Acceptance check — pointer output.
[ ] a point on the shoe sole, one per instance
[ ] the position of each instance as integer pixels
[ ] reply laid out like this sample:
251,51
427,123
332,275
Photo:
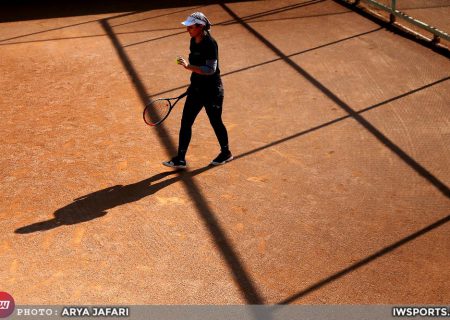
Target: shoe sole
172,166
220,163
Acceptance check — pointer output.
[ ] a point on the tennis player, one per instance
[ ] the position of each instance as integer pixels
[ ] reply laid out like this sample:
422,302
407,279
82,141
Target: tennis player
205,90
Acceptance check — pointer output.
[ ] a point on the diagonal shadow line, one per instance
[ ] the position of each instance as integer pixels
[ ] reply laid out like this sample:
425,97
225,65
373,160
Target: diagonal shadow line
154,17
49,30
97,20
272,12
96,203
277,59
162,133
305,51
233,22
167,29
326,124
419,8
365,261
152,30
219,236
224,23
53,39
301,17
68,26
240,275
439,185
88,36
155,39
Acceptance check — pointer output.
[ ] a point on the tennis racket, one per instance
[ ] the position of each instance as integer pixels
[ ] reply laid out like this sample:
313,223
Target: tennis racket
156,111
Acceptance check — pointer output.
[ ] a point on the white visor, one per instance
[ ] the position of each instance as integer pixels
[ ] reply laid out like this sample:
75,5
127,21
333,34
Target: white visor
191,21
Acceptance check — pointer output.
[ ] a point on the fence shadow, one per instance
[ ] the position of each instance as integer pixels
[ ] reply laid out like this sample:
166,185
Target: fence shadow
395,29
365,261
413,164
95,205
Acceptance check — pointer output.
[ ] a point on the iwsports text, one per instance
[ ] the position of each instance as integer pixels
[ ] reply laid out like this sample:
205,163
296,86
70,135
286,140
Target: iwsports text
411,312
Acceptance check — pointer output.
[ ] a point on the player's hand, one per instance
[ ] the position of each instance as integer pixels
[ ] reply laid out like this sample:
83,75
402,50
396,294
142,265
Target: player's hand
182,61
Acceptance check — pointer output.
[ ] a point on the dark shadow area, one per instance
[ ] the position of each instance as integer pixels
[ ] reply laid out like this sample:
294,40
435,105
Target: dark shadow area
395,29
439,185
366,261
21,10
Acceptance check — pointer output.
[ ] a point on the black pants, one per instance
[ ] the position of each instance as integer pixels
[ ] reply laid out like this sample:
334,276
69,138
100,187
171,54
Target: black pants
195,101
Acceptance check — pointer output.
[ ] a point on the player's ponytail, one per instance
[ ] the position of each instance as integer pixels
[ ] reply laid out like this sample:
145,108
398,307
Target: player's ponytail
207,27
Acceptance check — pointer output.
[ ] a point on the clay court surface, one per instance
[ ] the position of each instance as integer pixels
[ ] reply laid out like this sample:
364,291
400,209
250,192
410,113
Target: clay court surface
338,193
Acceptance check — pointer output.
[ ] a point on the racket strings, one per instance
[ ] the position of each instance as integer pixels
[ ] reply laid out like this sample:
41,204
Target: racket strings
156,111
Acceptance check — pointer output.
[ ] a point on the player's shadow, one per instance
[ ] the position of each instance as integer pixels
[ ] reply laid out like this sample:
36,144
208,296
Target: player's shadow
97,204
